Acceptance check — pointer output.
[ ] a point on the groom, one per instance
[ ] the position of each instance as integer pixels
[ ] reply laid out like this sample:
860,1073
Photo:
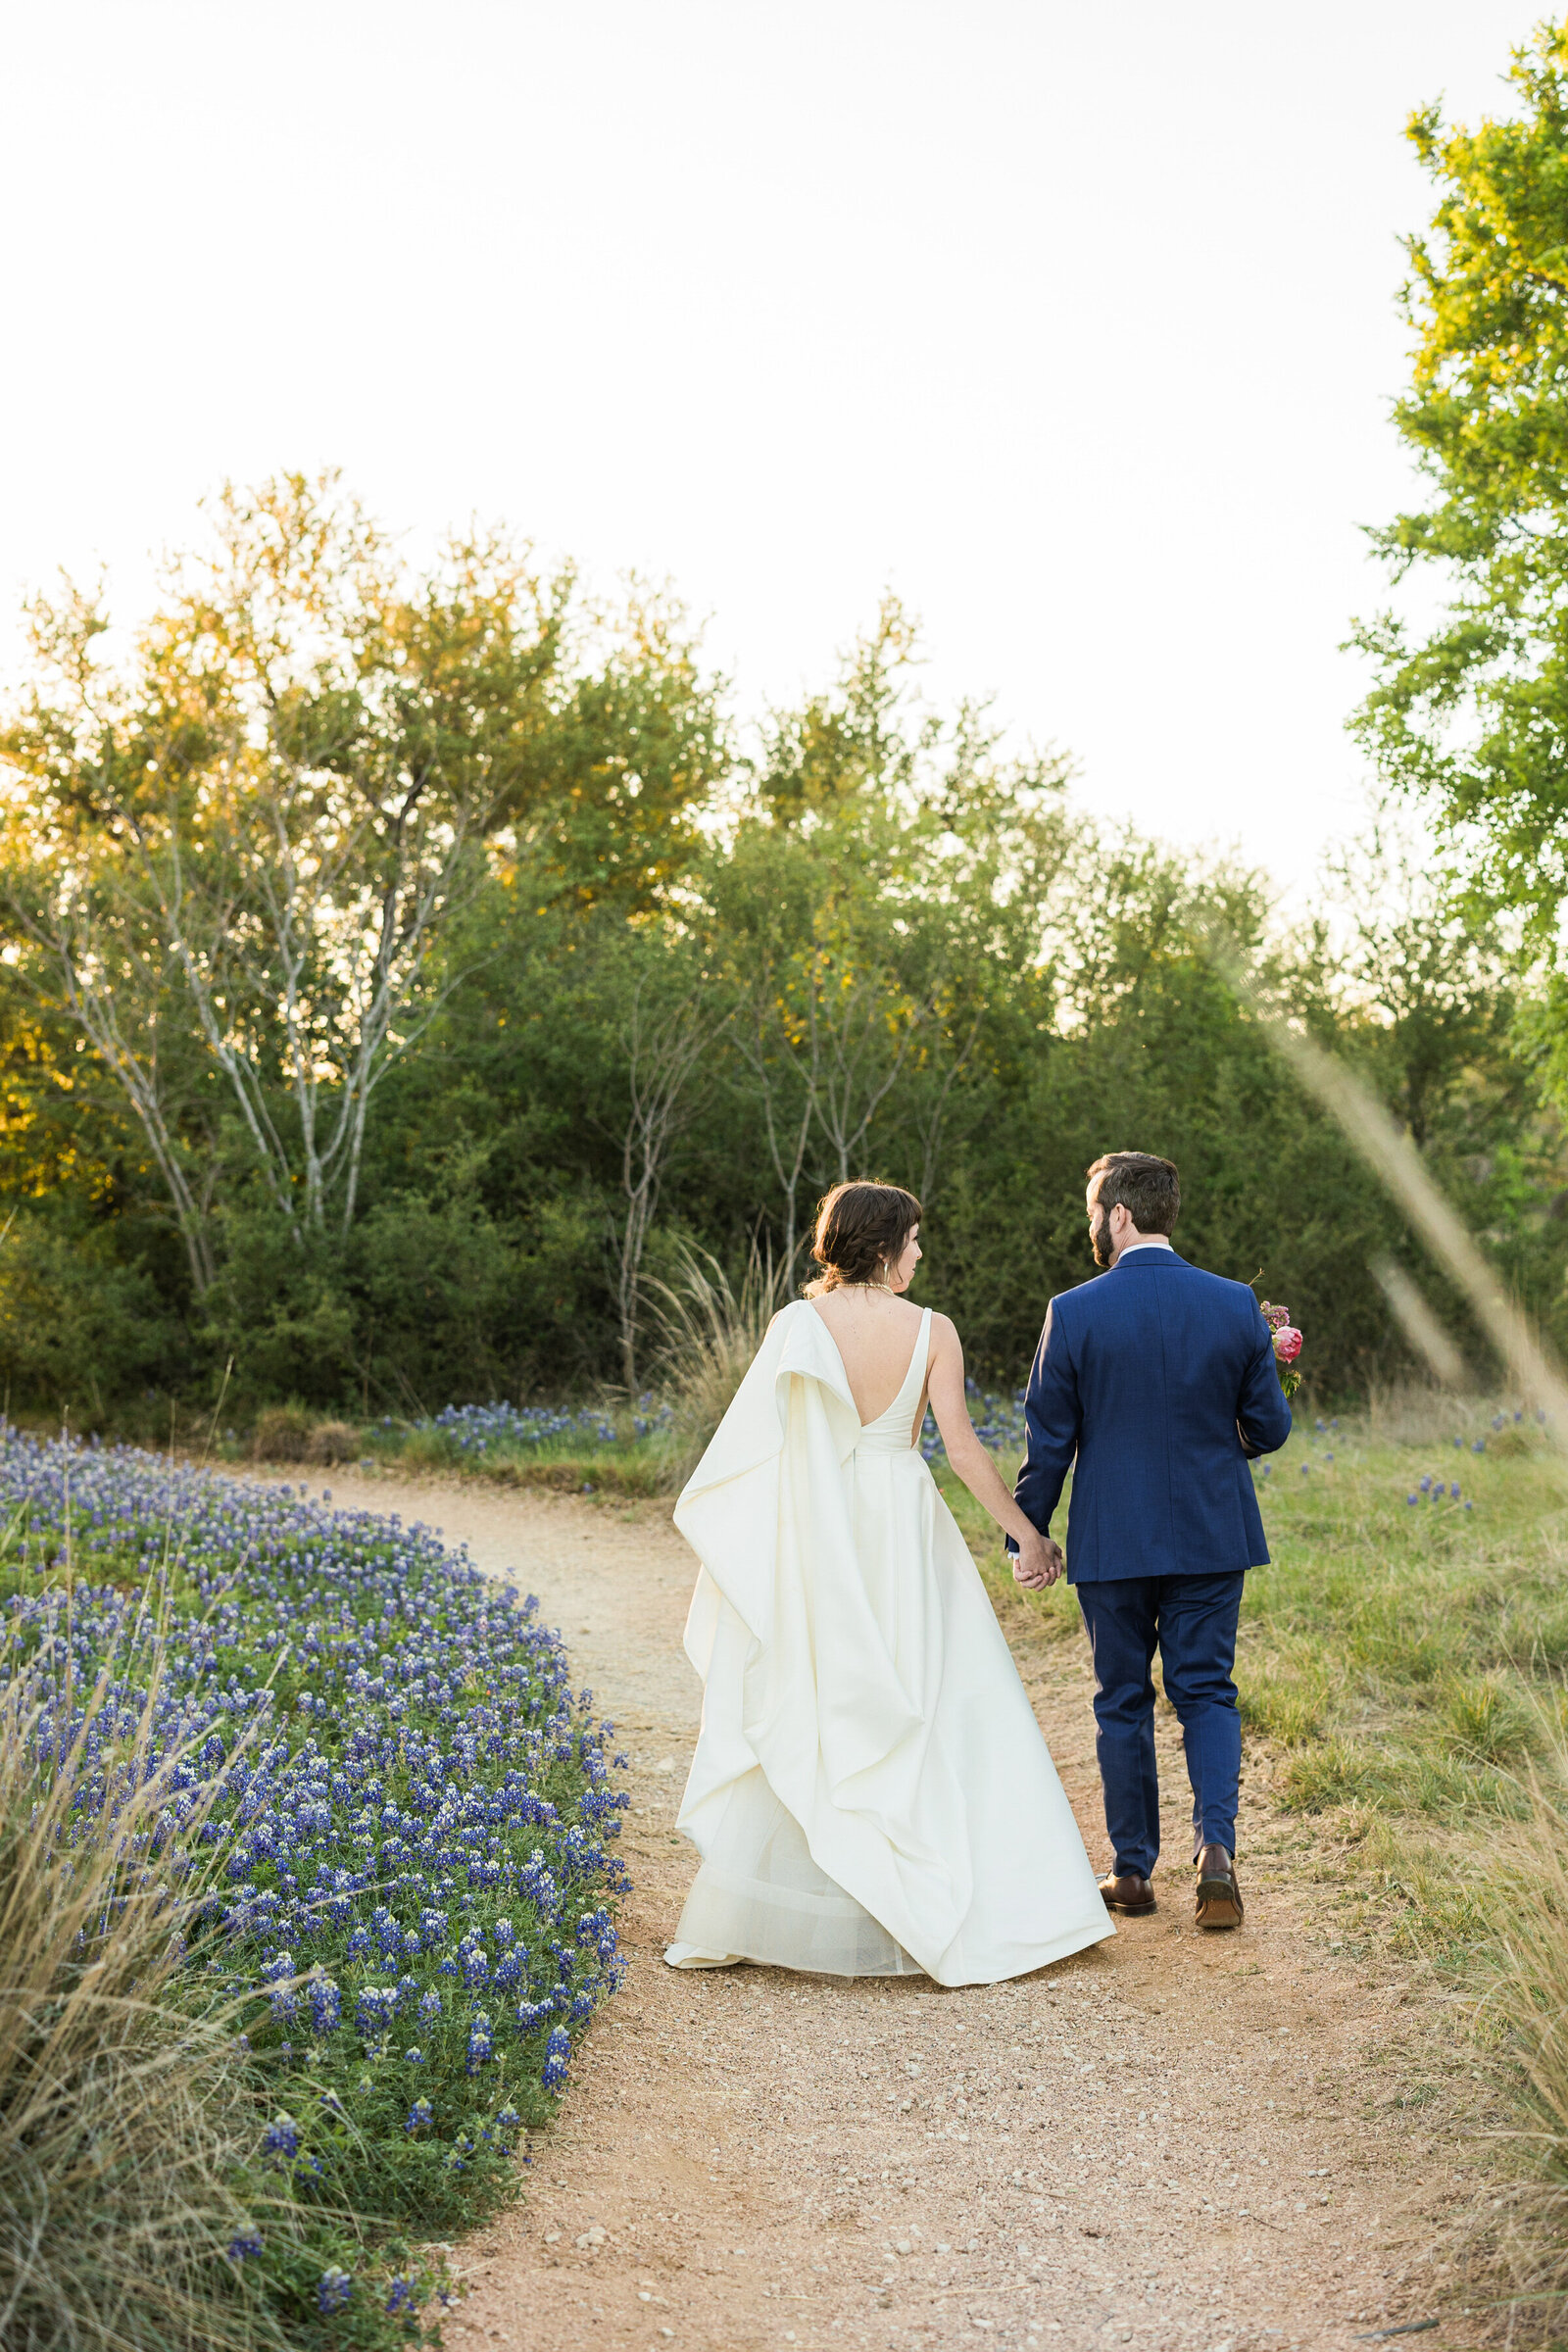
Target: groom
1161,1381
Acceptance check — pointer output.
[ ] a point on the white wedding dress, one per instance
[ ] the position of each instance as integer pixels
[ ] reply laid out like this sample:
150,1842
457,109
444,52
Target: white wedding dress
870,1793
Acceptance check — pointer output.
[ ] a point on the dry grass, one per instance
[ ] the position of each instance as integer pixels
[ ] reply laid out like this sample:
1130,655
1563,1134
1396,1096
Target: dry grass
331,1443
1422,1412
709,1337
1522,2236
122,2120
284,1434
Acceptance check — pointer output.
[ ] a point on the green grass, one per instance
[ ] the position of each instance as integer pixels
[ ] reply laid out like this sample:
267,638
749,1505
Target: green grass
638,1468
1406,1657
565,1465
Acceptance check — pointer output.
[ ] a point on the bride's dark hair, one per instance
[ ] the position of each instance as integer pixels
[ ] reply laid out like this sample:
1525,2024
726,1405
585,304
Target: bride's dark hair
860,1232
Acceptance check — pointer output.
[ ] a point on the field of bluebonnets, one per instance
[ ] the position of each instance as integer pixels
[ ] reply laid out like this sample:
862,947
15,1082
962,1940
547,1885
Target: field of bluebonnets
386,1841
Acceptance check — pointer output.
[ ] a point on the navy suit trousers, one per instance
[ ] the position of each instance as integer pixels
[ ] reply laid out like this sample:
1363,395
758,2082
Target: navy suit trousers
1191,1620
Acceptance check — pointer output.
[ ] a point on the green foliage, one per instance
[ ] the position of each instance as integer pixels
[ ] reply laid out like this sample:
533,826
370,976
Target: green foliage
1473,710
78,1327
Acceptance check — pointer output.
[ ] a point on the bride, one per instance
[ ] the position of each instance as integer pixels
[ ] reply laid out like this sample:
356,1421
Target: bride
870,1793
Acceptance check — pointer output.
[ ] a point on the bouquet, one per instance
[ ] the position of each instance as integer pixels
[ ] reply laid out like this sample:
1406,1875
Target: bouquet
1286,1346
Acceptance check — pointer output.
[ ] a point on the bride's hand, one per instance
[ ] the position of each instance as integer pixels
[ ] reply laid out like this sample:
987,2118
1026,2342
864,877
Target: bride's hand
1038,1563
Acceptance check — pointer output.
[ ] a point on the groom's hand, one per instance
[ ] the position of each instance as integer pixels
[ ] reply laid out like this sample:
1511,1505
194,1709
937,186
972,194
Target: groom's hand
1038,1564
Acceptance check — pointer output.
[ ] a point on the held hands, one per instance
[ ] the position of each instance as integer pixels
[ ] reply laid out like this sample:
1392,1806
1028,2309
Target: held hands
1038,1562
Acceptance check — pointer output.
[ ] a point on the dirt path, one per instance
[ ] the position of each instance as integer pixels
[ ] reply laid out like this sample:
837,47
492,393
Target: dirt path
1176,2140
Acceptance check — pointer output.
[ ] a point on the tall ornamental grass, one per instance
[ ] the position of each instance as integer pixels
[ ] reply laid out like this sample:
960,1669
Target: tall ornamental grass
124,2124
1524,2019
708,1337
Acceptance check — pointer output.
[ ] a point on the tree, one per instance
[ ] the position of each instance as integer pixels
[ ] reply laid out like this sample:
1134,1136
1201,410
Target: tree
889,878
276,810
1472,712
1405,981
671,1019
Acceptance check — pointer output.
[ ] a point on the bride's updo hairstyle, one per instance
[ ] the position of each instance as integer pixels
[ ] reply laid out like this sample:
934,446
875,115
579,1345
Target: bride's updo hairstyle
862,1230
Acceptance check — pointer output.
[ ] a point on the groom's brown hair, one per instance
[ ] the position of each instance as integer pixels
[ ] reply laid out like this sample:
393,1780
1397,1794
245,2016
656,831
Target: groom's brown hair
1148,1188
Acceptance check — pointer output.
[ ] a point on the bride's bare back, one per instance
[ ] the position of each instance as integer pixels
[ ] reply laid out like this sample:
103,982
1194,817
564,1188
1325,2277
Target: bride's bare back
874,1329
876,1335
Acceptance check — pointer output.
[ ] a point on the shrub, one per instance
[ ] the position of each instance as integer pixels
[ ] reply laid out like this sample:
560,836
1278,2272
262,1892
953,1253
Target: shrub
78,1327
333,1442
282,1433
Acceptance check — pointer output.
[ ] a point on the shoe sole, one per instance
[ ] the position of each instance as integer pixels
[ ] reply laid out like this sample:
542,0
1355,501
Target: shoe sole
1131,1910
1218,1904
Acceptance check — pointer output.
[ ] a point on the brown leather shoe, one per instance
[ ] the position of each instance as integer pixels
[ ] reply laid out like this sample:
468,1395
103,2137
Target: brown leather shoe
1127,1892
1219,1896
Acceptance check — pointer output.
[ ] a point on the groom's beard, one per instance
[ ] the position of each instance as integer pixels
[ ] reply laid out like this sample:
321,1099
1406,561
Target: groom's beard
1100,1243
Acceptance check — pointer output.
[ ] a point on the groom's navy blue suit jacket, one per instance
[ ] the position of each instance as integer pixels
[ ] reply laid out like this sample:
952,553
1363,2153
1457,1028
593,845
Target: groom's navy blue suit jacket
1160,1379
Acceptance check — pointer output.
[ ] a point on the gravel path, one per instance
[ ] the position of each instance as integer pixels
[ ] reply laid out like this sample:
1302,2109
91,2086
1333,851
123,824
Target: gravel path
1176,2140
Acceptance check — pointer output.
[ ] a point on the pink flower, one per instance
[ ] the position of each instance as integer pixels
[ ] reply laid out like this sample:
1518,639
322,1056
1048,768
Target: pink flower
1287,1342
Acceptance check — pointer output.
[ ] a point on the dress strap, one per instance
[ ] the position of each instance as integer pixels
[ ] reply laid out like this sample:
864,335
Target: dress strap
914,1378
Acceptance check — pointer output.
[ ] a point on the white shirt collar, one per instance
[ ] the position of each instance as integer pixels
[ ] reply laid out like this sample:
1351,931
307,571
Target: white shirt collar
1133,1247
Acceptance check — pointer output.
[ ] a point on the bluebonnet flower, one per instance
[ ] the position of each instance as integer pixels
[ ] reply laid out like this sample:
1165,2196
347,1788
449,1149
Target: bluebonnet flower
481,2043
281,1999
282,2137
326,2006
558,2052
476,1430
333,2291
420,2115
429,2008
402,2295
414,2057
374,2008
245,2246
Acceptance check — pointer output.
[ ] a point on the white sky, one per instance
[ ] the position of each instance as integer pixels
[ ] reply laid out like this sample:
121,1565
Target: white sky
1074,324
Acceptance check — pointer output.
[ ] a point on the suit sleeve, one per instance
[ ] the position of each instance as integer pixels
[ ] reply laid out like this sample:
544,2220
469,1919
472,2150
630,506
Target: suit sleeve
1262,1410
1052,1418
